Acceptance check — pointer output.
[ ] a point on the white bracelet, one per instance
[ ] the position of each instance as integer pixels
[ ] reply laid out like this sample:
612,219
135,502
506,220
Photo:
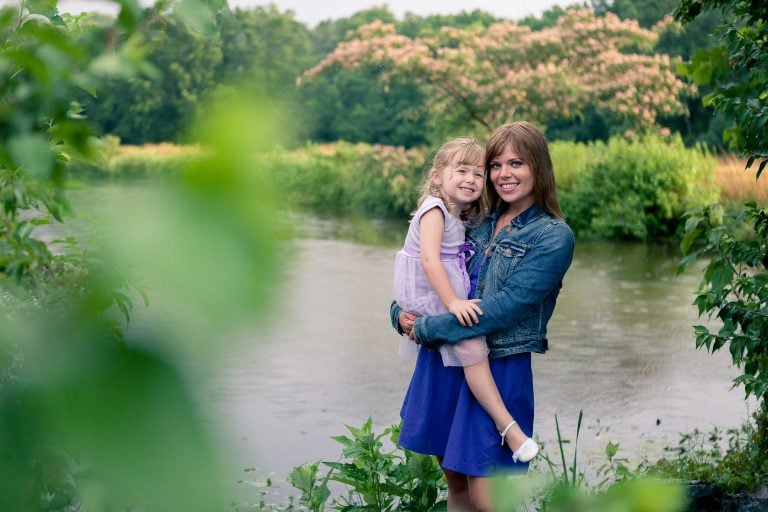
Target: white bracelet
504,432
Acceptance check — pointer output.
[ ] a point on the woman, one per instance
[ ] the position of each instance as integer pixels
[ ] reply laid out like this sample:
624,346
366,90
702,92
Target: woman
522,251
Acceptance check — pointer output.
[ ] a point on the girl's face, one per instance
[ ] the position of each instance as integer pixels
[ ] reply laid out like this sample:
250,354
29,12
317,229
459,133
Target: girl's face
512,179
461,183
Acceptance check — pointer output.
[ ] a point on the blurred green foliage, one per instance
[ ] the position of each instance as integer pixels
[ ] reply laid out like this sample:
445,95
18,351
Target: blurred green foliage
94,416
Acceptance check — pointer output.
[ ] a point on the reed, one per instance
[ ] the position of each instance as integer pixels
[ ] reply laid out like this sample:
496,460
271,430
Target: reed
737,184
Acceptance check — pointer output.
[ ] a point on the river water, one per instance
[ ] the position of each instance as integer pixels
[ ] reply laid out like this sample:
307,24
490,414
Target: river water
621,350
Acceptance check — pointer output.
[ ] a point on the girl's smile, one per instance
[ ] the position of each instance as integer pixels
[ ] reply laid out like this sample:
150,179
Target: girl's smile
461,184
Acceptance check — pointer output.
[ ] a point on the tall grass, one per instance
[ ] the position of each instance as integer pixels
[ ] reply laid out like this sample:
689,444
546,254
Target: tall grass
737,184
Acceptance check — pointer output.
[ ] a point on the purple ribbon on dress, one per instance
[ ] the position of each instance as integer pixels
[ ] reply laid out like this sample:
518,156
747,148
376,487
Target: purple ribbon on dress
466,251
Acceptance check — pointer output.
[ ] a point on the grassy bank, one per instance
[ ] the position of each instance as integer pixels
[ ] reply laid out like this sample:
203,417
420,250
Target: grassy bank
616,190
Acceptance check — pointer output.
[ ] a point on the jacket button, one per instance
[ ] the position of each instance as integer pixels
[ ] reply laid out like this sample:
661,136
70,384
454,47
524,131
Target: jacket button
488,253
508,229
507,252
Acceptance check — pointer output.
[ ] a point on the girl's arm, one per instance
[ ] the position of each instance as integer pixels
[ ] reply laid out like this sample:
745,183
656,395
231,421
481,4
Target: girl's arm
431,227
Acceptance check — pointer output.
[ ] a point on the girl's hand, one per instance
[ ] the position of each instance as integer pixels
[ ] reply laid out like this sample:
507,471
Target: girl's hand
466,311
406,319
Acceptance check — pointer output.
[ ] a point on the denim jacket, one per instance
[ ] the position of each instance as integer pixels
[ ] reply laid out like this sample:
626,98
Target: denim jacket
519,283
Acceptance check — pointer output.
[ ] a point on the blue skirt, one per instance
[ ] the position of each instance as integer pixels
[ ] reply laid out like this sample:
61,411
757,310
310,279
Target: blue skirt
474,445
429,404
441,416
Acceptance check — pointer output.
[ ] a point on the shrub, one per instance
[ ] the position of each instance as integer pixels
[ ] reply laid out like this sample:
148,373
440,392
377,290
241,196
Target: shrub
374,477
623,189
733,460
570,159
351,178
639,189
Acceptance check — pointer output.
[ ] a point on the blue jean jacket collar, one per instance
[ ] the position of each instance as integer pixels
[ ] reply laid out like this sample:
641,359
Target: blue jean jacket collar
529,215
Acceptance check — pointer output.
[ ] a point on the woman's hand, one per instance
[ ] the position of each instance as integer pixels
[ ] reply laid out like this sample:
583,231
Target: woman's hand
406,319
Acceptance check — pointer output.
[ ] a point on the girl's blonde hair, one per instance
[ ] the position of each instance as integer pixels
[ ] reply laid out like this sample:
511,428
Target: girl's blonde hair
531,146
456,152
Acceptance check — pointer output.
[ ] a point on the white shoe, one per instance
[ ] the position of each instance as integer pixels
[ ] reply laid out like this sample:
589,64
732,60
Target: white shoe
527,451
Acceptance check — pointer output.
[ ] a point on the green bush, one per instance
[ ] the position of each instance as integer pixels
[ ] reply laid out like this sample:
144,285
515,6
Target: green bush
351,178
571,158
733,460
374,477
638,189
623,189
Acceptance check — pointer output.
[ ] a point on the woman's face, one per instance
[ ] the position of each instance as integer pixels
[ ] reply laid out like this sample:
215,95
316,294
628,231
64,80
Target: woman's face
512,178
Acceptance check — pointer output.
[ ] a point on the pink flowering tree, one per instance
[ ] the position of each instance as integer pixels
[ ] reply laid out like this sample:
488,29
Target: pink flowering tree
478,78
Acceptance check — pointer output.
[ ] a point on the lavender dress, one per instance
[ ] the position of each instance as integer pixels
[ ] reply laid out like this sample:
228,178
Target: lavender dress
413,292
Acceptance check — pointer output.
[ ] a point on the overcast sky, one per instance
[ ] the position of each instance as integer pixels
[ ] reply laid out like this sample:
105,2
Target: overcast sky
311,12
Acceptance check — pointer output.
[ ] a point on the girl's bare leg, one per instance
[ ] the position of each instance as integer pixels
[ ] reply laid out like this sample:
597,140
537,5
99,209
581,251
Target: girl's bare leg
458,490
483,387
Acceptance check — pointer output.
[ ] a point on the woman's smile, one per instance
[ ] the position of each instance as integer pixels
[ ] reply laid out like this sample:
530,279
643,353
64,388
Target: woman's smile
512,178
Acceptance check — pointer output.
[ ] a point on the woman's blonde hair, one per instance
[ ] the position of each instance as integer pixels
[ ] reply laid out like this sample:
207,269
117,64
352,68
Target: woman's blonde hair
531,146
456,152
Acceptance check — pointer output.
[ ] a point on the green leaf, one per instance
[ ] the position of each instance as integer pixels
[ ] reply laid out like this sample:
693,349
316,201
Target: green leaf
130,14
720,277
690,237
196,14
45,7
33,154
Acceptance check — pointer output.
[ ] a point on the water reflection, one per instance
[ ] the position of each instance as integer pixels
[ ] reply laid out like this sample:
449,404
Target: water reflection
378,232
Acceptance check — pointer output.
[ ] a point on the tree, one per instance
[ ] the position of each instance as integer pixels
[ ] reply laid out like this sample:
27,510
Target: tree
155,107
330,33
478,78
700,123
738,70
356,105
734,286
264,48
547,19
416,26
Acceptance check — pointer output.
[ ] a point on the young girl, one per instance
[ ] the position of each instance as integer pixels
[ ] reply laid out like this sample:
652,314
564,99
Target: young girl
431,278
